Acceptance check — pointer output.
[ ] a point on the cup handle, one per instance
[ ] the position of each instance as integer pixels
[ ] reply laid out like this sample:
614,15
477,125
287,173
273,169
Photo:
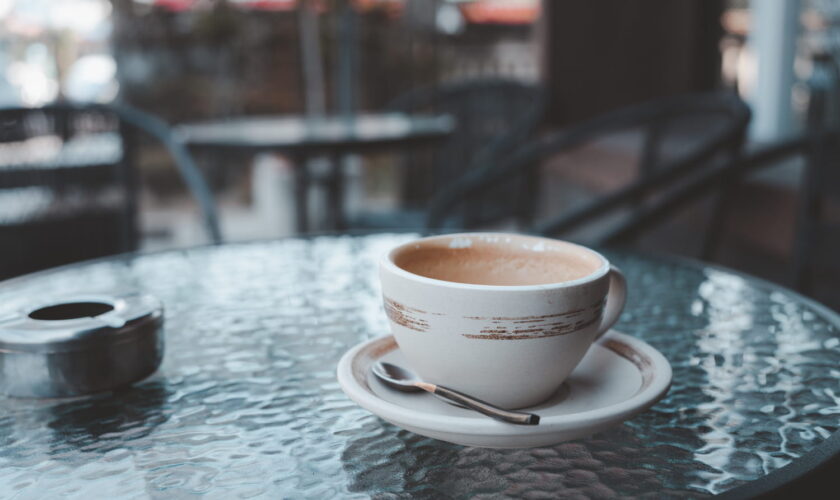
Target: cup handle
616,297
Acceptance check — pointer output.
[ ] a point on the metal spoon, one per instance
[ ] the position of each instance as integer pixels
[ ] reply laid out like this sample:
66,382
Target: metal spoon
402,379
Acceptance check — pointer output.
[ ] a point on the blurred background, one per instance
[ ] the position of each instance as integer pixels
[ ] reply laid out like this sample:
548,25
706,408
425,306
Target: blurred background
694,127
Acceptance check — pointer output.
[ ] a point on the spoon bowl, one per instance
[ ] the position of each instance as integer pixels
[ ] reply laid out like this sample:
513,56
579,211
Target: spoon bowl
396,377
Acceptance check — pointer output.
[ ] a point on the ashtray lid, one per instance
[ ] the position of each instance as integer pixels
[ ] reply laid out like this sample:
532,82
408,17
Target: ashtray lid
77,322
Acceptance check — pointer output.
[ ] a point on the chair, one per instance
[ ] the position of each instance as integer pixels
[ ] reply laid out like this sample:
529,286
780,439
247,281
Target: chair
492,116
68,191
821,180
815,241
716,123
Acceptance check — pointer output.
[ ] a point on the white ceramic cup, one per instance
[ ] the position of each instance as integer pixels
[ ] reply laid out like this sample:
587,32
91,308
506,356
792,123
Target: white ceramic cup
512,346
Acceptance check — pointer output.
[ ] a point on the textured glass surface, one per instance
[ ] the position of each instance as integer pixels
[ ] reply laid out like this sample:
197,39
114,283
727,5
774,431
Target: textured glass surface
246,403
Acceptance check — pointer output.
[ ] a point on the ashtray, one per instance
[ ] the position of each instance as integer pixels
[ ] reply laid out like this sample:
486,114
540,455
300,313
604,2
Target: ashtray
80,344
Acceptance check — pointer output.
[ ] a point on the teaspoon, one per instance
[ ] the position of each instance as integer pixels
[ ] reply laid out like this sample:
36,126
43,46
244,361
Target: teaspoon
402,379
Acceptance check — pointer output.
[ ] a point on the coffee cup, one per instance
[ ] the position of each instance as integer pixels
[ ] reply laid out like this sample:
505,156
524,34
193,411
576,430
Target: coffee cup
502,317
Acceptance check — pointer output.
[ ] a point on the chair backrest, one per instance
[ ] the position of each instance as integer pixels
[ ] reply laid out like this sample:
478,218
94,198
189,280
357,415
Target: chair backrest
183,160
64,192
676,138
492,116
819,154
68,191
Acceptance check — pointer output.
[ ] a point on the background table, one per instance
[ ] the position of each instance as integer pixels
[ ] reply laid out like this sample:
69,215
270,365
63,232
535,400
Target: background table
246,402
304,137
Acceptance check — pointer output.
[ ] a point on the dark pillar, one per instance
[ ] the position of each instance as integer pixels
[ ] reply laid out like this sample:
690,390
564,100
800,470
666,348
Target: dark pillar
603,54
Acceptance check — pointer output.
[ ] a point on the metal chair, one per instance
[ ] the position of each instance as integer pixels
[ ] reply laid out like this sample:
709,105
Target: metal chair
68,190
819,153
717,120
493,116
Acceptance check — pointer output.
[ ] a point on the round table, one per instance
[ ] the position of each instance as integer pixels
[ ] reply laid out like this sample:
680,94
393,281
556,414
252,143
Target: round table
304,137
313,135
246,402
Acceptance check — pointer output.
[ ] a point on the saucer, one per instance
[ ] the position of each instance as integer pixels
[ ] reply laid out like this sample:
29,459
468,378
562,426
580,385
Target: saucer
618,378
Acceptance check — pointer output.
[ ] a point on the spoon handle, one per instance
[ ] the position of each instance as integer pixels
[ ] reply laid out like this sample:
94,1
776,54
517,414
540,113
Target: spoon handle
486,408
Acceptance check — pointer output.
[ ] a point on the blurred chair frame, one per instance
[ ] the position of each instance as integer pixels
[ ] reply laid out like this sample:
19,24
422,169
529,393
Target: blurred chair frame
515,107
67,121
819,149
183,160
654,175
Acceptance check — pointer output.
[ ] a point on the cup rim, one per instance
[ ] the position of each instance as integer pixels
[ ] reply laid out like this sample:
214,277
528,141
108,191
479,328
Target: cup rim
387,263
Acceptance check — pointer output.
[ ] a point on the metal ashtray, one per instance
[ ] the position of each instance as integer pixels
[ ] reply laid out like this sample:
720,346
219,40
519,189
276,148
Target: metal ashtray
80,345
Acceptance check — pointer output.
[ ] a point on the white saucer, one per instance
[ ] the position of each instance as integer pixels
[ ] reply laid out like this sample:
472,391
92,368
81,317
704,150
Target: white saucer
619,377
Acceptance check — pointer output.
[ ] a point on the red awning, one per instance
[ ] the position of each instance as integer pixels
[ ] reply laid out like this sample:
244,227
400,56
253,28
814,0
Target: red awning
501,11
184,5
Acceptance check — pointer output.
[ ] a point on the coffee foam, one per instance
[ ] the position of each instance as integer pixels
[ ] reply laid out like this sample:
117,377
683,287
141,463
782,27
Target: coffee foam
498,261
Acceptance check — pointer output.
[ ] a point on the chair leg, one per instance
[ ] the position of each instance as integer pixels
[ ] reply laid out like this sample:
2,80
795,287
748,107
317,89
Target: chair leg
528,196
336,192
128,174
648,161
715,227
806,224
721,206
301,168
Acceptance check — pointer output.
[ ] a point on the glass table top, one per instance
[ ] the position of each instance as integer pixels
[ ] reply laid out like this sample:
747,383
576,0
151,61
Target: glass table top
246,403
